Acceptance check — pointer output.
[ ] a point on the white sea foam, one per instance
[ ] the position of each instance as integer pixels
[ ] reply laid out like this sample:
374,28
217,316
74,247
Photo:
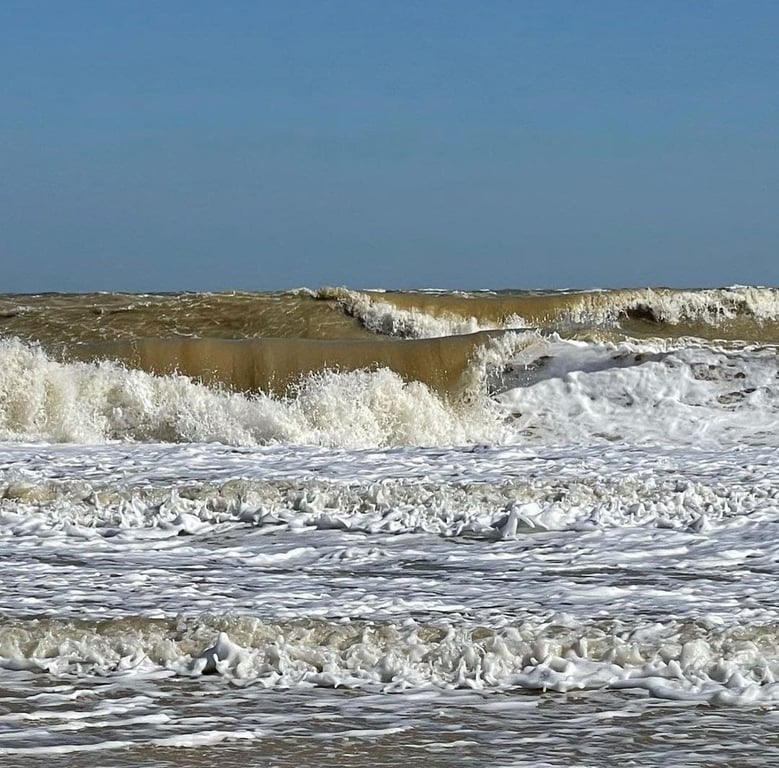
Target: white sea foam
618,573
528,514
653,392
477,507
700,661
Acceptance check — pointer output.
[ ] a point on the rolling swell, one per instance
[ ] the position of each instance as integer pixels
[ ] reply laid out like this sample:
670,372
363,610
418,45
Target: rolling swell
67,319
63,320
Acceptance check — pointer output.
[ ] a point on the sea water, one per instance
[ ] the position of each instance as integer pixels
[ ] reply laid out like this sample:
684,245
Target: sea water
570,562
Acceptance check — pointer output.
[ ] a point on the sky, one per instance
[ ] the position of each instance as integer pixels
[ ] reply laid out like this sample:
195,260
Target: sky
191,145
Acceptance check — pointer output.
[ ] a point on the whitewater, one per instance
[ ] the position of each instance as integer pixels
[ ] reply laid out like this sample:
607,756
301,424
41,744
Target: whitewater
516,528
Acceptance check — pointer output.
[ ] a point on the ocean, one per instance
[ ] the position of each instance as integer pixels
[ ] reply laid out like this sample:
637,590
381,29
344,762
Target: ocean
375,528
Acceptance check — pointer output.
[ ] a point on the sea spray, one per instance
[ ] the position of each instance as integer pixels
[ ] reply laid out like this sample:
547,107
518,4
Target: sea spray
42,398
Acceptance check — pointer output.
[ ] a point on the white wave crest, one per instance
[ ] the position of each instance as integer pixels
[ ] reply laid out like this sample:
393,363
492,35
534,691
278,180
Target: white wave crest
44,399
713,306
519,387
384,318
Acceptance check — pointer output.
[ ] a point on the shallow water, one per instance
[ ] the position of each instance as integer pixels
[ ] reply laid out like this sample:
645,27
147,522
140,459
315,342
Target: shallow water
188,723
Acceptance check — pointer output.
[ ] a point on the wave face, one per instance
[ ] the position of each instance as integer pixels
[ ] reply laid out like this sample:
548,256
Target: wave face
364,527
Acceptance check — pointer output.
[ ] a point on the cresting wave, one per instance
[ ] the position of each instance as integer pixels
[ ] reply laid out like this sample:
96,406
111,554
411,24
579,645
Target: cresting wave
516,387
683,660
740,311
398,315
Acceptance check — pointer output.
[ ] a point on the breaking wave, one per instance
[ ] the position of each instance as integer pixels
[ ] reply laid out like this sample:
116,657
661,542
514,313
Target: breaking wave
421,315
44,399
510,387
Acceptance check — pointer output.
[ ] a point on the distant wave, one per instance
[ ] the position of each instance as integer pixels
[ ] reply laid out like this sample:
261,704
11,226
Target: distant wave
342,314
423,314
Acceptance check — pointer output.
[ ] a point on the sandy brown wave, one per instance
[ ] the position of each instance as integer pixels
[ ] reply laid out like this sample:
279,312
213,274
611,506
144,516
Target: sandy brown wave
275,364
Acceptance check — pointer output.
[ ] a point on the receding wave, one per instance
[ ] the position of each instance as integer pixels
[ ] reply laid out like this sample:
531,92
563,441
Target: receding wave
674,660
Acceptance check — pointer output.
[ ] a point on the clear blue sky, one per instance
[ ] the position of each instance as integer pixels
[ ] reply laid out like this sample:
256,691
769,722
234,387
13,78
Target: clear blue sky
181,144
